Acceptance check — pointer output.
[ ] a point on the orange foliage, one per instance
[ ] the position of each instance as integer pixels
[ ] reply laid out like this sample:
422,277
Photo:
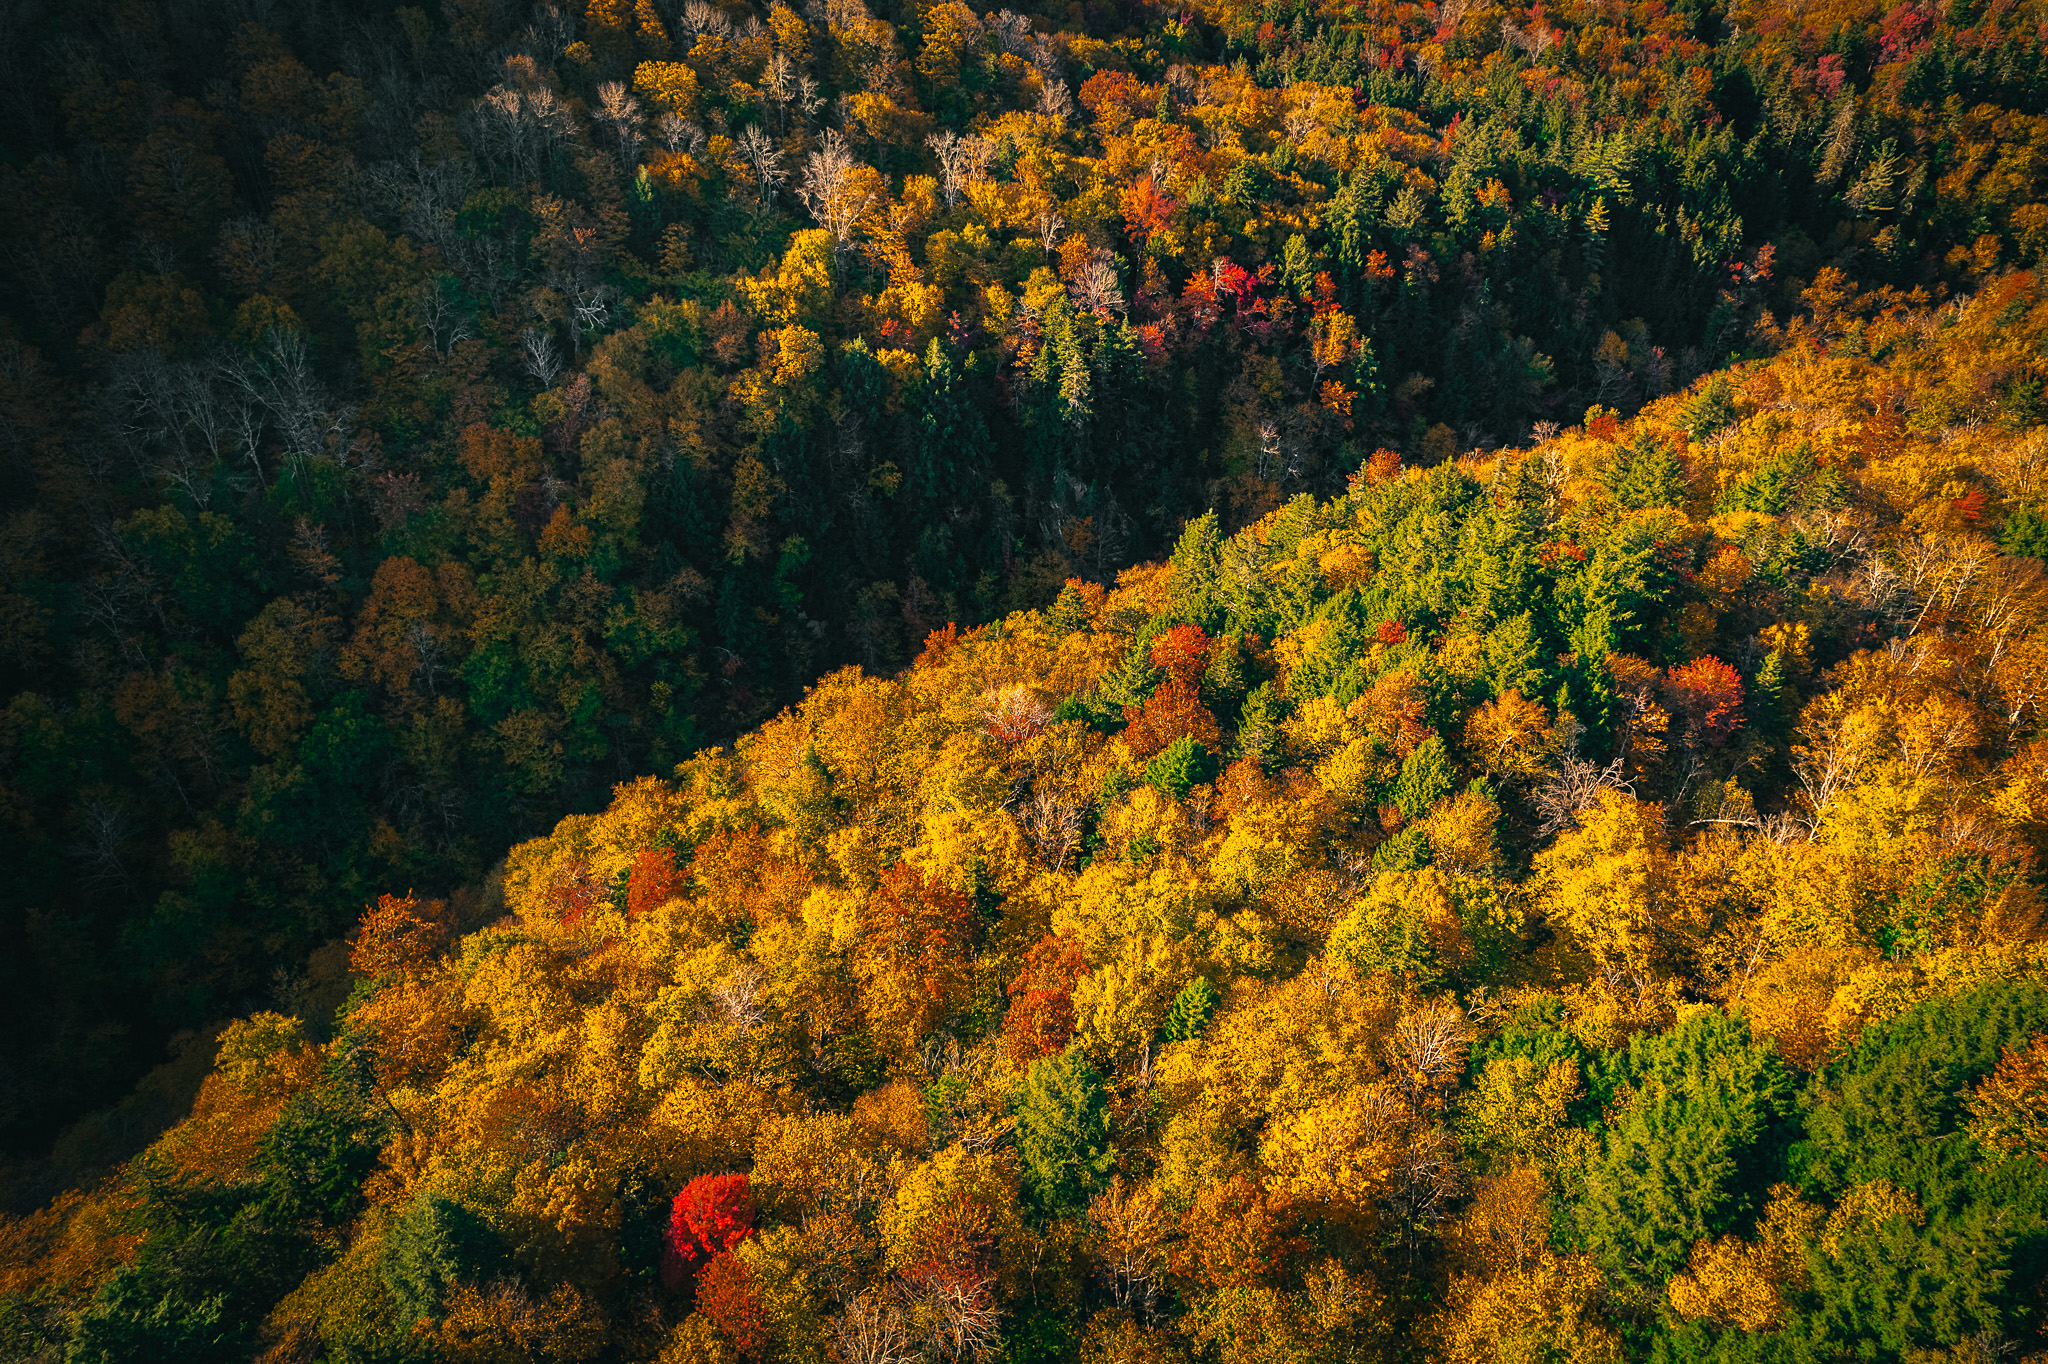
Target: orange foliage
1172,711
1237,1236
392,936
1041,1017
726,1294
653,880
1708,693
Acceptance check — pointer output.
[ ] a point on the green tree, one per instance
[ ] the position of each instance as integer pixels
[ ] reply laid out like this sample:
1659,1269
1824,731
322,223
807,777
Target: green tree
1692,1150
433,1245
1063,1131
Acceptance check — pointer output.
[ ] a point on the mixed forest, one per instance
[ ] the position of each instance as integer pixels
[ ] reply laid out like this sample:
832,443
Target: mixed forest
1124,683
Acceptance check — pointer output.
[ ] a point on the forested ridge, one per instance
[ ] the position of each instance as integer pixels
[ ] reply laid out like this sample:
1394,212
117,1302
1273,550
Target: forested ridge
1577,902
419,420
1538,859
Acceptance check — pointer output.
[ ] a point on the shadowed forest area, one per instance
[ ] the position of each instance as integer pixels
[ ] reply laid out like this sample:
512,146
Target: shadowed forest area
1110,682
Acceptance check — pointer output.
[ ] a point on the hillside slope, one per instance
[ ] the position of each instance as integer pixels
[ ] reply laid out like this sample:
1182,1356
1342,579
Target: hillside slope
1577,902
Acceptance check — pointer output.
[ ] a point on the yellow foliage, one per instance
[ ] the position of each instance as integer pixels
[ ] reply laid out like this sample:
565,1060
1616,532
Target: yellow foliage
1519,1111
1604,881
1119,1006
964,1188
1548,1313
1743,1284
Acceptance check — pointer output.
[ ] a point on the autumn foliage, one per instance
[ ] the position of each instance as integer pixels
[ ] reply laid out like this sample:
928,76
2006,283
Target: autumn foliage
711,1215
1572,901
653,880
1040,1021
725,1294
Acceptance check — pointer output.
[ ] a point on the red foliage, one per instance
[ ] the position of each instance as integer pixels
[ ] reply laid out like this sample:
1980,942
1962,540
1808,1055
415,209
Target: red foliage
725,1293
1174,710
573,893
1604,426
1182,653
710,1216
1014,715
1392,632
653,881
1970,506
1041,1017
1708,693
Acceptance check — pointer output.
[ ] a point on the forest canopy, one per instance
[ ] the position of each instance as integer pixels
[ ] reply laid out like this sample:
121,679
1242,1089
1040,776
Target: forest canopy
1575,902
881,681
418,420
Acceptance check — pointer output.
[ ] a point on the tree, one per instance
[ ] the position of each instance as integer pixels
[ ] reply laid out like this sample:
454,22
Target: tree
1708,694
1063,1131
1604,881
726,1294
912,959
1692,1154
435,1244
708,1217
1040,1021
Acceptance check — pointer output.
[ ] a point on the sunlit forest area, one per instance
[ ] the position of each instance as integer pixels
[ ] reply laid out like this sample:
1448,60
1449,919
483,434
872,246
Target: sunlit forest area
1115,682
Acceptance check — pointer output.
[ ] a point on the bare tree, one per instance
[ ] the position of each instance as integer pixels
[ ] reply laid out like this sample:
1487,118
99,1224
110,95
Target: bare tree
962,160
442,316
1575,787
766,158
835,191
102,830
1098,288
538,356
957,1318
1055,101
1052,821
700,19
1050,221
617,106
1427,1051
281,381
872,1332
590,310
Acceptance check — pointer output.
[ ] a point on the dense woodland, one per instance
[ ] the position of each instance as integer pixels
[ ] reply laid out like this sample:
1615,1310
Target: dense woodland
1577,903
1346,682
419,421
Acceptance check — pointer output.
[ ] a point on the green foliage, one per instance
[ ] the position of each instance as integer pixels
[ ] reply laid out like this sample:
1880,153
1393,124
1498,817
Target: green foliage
1891,1108
1426,778
1691,1151
1179,767
1063,1131
1191,1010
2025,532
1643,474
1258,725
1712,411
314,1158
135,1317
1790,481
435,1244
